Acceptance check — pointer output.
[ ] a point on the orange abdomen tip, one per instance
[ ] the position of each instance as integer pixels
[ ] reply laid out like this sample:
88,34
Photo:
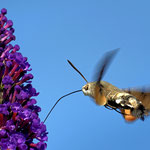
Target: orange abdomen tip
128,117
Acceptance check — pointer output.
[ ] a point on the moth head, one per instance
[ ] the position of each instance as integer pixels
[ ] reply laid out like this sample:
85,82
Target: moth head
89,89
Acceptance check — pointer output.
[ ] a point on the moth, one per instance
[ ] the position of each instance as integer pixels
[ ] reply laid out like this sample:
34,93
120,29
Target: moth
133,103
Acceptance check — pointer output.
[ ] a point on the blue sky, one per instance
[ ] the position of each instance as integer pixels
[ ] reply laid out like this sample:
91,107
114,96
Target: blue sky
51,31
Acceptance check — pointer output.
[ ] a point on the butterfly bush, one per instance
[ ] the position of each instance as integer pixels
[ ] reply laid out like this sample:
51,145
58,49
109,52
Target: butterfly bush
20,125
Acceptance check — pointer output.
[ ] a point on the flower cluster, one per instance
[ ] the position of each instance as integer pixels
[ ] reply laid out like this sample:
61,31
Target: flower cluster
20,126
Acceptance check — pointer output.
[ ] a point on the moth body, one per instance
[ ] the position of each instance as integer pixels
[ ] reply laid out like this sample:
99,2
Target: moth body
109,95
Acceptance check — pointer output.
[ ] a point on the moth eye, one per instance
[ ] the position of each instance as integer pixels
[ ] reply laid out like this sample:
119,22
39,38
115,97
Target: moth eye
86,87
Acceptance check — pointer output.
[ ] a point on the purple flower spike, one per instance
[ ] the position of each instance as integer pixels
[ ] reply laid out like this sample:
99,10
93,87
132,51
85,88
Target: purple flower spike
20,124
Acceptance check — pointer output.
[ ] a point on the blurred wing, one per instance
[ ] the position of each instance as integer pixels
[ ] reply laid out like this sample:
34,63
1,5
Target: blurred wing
100,98
142,95
102,67
103,64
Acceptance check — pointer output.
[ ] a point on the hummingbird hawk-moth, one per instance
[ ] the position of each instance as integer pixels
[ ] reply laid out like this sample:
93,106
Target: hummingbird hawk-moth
131,103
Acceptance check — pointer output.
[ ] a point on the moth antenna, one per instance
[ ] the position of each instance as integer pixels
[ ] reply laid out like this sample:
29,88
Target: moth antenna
77,71
57,103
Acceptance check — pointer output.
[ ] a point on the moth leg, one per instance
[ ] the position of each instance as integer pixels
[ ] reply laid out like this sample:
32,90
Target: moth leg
108,107
113,108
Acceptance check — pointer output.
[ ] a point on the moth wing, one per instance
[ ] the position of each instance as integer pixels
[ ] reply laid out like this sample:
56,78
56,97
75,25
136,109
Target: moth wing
143,95
103,65
102,68
99,96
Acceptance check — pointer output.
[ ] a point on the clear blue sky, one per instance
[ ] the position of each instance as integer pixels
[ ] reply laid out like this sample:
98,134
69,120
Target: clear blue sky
51,31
